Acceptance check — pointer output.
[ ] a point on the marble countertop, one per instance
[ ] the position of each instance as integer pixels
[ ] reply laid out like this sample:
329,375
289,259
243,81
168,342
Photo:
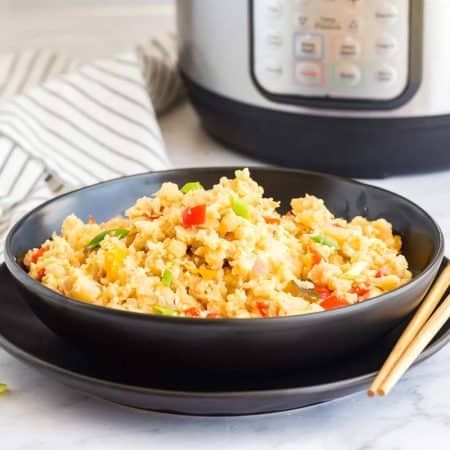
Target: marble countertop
40,413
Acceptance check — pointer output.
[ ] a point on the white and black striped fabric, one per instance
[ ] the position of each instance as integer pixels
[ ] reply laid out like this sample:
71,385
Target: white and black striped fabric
64,125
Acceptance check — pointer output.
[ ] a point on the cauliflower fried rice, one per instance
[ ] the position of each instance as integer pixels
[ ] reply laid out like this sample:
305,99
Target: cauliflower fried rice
224,252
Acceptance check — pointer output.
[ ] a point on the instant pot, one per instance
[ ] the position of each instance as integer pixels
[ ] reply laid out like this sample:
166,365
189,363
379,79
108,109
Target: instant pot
353,87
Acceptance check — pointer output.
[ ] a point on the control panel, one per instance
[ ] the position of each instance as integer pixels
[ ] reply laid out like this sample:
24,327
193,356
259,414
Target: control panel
342,49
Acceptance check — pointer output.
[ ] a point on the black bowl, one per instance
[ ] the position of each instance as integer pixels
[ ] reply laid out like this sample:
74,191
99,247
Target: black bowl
236,346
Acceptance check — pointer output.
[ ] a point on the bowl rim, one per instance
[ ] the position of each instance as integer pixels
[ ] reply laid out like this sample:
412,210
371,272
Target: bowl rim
43,291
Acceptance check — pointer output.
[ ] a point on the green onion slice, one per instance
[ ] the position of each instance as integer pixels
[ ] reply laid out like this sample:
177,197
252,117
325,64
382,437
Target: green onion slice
164,311
324,241
240,207
191,186
95,242
167,277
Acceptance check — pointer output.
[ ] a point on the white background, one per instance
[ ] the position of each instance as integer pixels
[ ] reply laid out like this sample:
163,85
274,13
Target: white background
42,414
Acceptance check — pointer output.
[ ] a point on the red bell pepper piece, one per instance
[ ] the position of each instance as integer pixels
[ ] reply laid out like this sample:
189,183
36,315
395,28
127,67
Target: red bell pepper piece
332,301
360,290
192,312
38,253
323,291
41,274
196,215
263,307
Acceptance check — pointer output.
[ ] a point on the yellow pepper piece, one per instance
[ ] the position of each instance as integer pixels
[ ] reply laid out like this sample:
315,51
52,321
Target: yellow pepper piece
207,274
114,258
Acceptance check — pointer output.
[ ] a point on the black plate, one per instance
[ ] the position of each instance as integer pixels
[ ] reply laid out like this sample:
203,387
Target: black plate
25,337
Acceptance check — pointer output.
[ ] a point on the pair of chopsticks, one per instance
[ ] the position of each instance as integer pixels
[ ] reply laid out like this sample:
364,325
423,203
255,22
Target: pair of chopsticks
420,331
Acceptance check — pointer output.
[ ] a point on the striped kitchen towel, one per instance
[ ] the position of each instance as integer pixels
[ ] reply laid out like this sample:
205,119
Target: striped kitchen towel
64,125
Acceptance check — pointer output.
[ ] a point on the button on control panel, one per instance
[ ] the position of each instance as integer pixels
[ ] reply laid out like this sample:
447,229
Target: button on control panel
309,74
308,46
347,75
348,48
343,49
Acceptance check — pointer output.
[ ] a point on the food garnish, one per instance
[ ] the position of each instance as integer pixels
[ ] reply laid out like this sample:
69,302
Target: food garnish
164,311
191,186
95,242
240,207
319,239
167,277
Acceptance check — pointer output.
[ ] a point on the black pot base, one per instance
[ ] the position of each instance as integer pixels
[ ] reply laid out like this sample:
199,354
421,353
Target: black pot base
361,148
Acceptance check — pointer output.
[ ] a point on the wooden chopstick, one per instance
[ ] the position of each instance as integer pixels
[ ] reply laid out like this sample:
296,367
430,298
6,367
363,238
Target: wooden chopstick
426,334
417,322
